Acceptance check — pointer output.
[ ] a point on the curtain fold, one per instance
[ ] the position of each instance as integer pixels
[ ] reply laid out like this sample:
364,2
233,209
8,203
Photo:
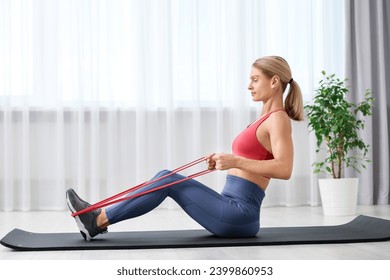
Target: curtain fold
367,67
100,95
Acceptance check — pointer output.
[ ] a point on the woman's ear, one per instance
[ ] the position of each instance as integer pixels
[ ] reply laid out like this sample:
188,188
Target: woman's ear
274,81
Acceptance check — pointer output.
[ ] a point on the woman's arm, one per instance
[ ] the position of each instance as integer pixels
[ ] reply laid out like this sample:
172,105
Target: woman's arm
279,128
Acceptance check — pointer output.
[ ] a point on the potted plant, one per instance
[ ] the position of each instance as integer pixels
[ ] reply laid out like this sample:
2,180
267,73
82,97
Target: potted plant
335,122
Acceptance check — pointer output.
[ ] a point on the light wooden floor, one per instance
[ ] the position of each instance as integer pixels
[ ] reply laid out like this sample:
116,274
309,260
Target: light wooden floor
162,219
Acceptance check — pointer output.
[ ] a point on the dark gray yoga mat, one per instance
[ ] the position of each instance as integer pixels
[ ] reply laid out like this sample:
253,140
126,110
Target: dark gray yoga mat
361,229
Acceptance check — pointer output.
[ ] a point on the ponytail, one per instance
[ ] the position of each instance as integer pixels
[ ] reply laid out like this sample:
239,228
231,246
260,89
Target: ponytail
293,103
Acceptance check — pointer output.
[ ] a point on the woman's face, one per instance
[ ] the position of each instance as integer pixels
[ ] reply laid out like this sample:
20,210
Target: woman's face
259,85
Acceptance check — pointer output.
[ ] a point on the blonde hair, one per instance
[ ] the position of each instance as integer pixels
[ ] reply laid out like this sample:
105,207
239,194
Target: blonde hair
276,65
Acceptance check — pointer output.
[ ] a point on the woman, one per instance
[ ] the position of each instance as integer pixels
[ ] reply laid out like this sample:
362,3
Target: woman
262,151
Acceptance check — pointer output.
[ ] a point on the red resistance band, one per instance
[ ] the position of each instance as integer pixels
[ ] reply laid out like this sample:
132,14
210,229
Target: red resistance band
118,197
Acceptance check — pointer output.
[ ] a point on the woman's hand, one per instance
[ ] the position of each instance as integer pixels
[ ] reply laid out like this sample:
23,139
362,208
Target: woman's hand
224,161
210,162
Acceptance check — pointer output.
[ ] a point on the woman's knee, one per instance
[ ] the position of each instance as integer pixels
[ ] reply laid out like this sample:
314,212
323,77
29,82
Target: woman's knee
162,173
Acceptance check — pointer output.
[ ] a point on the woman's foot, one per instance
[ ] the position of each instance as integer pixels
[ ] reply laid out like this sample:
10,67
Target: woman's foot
87,223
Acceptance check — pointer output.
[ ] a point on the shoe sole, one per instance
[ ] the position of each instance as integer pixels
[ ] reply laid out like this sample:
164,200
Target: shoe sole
84,232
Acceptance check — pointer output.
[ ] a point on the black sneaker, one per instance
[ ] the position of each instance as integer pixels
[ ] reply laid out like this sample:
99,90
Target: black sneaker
86,222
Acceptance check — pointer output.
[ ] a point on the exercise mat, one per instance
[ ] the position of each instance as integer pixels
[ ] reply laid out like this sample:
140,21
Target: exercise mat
361,229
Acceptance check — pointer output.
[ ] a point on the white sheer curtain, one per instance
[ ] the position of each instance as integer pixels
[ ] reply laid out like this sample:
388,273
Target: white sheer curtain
100,95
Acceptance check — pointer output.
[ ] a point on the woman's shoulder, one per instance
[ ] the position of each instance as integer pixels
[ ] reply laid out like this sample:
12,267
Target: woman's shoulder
279,120
279,115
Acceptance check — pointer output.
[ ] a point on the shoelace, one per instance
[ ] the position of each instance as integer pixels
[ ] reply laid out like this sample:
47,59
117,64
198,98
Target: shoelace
124,195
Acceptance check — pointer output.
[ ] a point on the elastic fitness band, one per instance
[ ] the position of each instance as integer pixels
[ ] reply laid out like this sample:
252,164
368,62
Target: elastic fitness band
118,197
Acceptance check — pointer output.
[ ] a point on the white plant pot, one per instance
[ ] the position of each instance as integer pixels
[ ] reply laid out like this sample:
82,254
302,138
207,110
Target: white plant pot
339,196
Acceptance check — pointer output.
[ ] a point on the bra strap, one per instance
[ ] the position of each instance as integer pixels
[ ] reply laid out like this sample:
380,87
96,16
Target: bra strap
263,118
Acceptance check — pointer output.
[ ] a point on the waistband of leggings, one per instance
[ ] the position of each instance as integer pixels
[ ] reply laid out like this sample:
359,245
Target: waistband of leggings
243,189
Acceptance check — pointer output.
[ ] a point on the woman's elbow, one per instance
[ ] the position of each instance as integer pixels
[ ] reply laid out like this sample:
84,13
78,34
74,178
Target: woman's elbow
285,173
284,176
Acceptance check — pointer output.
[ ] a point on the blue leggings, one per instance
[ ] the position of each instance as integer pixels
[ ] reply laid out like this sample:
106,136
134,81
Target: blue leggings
233,213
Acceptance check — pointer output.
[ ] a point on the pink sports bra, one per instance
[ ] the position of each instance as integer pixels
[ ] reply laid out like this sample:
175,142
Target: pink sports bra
247,145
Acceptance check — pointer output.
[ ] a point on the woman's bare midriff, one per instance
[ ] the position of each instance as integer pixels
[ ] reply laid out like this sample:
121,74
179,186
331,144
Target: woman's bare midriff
261,181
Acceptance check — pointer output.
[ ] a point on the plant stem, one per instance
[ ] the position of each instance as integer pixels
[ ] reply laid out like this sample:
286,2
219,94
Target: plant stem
340,154
332,161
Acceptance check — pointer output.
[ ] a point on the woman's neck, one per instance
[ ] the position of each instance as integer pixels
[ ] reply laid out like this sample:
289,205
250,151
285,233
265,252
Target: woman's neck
271,105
